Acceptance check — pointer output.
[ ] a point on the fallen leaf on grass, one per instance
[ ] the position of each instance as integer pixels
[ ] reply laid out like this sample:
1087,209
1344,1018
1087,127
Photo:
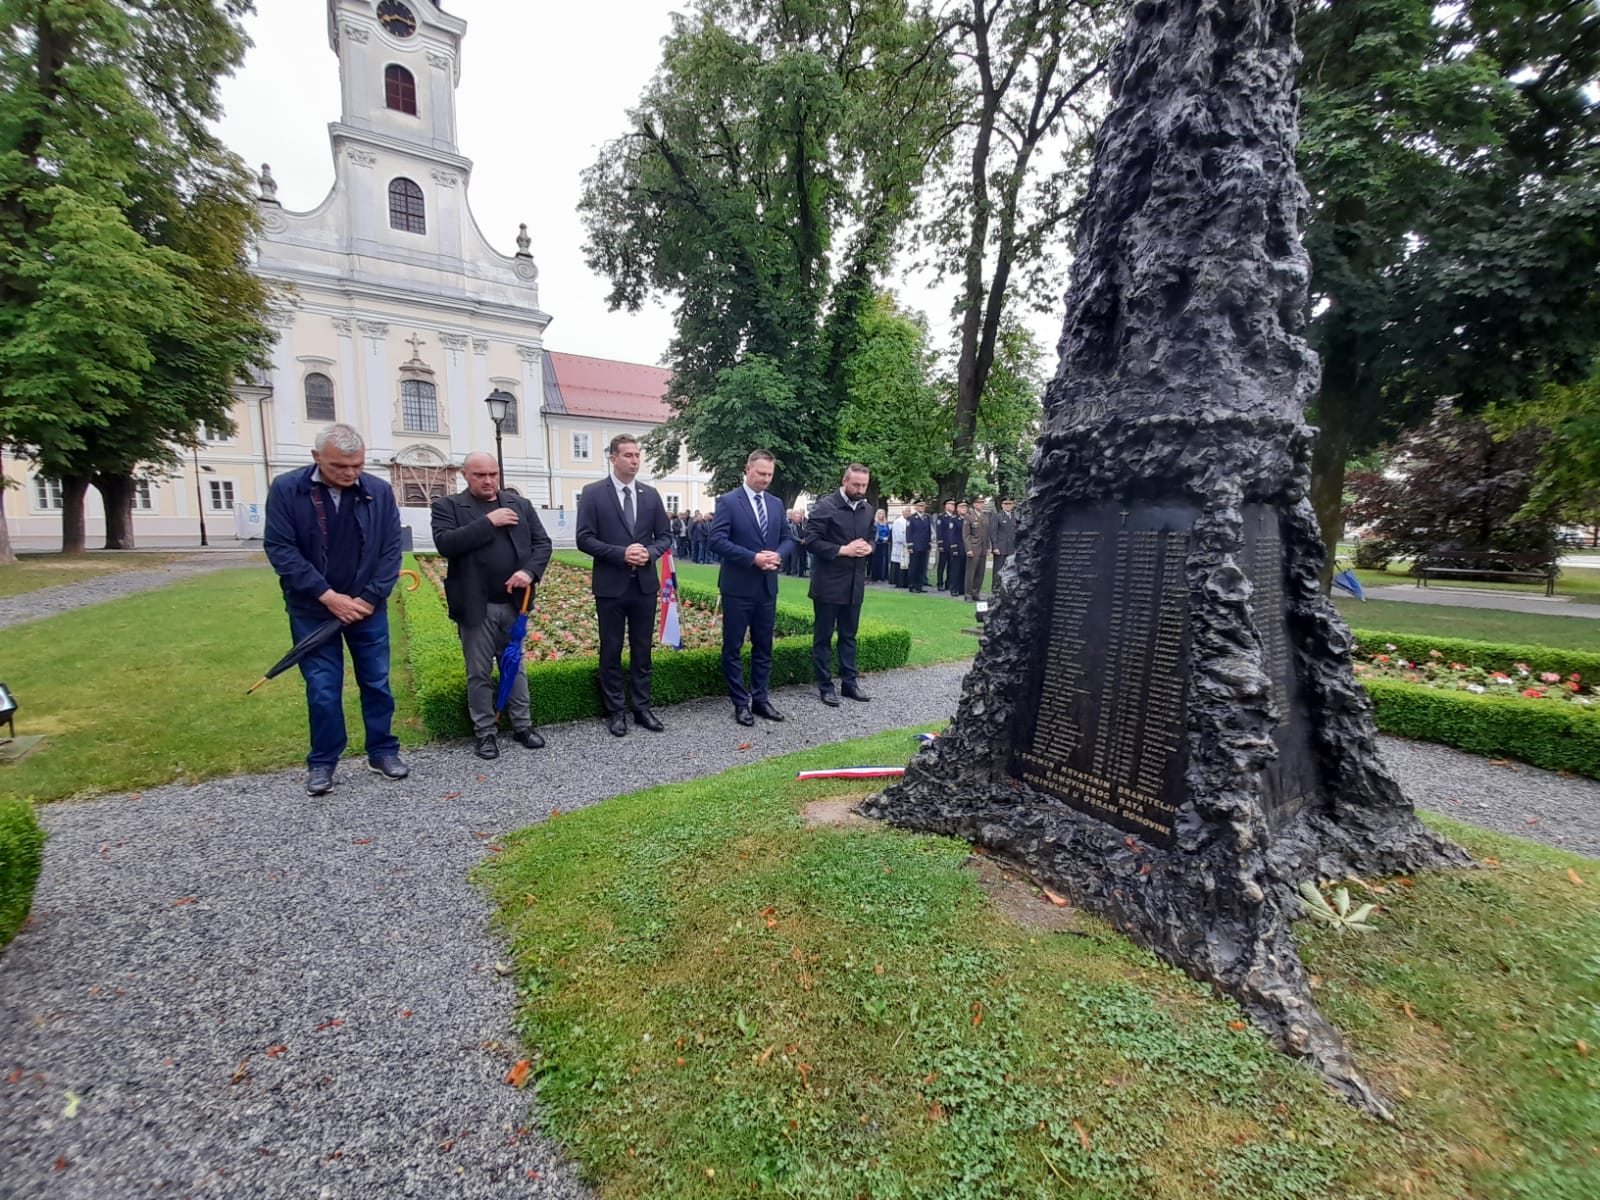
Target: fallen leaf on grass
1574,878
1055,898
493,849
1583,1048
765,1054
936,1112
977,1013
185,900
805,1072
274,1051
1408,1010
1237,1026
1083,1136
518,1075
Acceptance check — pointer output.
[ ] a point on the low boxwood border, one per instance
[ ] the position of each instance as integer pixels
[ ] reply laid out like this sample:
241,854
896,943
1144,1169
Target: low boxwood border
21,857
1545,733
1488,656
569,689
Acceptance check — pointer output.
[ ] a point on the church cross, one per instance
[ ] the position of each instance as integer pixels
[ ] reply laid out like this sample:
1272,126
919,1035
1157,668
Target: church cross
416,343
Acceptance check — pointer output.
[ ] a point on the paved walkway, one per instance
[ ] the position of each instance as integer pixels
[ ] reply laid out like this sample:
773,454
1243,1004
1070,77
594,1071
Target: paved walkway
52,601
1506,601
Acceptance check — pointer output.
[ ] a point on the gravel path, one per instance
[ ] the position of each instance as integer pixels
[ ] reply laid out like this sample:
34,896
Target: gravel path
52,601
257,995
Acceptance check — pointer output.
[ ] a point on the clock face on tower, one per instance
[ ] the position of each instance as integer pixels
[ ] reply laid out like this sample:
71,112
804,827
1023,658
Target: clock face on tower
396,18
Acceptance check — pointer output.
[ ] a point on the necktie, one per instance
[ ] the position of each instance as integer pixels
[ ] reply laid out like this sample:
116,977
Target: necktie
761,515
627,508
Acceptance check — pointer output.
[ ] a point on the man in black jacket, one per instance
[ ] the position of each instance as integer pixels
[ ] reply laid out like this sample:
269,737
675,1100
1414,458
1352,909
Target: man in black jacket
947,537
497,548
919,538
840,533
623,526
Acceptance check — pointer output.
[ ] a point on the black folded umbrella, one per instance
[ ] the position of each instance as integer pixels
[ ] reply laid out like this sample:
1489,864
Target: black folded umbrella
301,648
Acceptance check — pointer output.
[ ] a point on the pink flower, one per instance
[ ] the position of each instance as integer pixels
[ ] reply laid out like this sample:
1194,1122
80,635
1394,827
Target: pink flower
1533,693
1550,677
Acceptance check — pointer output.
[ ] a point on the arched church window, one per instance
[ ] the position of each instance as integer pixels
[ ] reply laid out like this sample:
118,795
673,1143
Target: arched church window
419,406
319,397
399,89
509,425
406,209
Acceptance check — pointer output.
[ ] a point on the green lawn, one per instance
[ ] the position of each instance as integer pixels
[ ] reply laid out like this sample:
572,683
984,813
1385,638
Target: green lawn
723,1003
150,688
935,619
34,571
1479,624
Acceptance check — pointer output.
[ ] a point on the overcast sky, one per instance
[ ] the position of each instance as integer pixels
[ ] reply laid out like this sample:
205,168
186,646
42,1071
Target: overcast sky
542,86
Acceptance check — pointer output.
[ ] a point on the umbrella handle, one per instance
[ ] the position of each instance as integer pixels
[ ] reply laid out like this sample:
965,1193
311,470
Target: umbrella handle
527,598
416,580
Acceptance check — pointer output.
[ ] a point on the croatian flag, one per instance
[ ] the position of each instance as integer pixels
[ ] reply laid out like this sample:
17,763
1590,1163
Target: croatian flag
668,632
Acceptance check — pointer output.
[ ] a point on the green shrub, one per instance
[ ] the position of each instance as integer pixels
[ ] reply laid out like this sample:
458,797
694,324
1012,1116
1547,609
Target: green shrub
1490,656
1558,737
21,856
1372,554
568,689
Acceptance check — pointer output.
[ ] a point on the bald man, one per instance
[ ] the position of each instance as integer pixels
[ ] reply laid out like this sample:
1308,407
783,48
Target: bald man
497,551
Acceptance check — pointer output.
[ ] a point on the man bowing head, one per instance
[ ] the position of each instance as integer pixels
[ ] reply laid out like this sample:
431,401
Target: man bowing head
750,533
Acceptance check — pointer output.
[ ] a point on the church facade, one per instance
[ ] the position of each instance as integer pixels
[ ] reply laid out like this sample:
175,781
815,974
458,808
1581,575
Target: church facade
398,317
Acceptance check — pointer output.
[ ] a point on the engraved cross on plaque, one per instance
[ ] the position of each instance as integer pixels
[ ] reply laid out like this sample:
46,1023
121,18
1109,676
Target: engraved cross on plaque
1124,516
416,343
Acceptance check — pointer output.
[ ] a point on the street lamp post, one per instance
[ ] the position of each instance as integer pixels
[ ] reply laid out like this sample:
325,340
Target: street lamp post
499,407
199,497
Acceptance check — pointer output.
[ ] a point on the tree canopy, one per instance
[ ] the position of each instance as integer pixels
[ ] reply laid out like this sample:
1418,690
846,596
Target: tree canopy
765,172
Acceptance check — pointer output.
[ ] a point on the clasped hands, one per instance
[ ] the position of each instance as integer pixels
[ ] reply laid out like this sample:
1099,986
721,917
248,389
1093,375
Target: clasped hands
859,548
636,556
349,609
768,560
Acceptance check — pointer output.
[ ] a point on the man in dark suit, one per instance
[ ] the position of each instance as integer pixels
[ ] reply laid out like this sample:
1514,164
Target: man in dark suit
919,537
947,533
623,526
840,532
497,548
750,533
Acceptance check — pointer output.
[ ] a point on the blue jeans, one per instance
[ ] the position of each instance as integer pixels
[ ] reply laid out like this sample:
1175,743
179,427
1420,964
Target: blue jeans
323,670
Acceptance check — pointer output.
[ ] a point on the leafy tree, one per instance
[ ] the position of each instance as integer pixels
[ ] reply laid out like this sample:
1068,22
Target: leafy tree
1009,413
1024,129
765,172
895,419
127,309
1460,483
1453,158
1567,479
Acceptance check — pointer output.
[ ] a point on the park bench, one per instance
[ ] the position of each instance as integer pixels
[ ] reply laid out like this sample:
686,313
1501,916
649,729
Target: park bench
1487,564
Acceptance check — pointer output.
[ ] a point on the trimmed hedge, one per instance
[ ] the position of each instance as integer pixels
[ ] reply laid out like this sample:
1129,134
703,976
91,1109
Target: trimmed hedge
568,689
21,856
1489,656
1558,737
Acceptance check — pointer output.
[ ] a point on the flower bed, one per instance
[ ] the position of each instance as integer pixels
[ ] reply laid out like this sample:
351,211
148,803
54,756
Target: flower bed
563,624
563,681
1537,704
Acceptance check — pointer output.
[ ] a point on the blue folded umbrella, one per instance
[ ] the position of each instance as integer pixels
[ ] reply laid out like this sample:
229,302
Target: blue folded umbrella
511,656
1347,581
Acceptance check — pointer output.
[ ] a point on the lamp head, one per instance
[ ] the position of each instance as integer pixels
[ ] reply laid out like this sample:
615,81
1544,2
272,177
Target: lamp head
499,403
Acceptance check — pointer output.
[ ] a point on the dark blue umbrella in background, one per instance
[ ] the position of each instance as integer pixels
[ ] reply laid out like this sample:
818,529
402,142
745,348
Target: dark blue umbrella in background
511,656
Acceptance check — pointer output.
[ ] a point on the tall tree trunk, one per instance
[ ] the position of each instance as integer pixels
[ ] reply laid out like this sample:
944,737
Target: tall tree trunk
116,494
7,554
73,490
1328,457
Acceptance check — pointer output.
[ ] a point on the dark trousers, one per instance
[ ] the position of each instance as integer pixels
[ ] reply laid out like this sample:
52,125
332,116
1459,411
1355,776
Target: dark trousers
975,566
637,611
942,571
323,669
829,617
1000,560
919,570
758,615
682,550
957,575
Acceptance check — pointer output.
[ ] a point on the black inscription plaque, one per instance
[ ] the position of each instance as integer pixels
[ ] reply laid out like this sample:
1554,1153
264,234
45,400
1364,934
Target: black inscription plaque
1107,730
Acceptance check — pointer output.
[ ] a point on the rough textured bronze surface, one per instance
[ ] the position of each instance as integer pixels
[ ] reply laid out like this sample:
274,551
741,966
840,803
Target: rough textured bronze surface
1182,382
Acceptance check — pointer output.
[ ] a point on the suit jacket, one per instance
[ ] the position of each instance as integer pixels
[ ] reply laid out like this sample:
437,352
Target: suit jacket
832,524
461,533
975,533
1003,532
949,527
604,538
736,538
297,547
919,531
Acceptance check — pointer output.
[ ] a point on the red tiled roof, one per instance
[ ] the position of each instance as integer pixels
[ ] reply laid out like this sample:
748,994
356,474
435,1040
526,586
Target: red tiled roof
602,387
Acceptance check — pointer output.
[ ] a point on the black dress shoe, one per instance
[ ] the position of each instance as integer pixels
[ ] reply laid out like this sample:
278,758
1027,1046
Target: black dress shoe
831,699
484,746
648,719
390,766
855,693
742,715
617,723
765,711
319,780
528,737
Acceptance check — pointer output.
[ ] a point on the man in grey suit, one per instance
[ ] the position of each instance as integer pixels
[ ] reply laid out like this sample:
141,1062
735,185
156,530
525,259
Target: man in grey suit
496,548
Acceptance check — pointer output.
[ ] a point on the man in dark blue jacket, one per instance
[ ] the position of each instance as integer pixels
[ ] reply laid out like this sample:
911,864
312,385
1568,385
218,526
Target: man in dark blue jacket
750,532
333,537
919,538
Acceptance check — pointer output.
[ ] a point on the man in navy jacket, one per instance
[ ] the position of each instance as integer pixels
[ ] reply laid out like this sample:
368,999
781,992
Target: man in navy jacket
333,537
750,532
919,538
